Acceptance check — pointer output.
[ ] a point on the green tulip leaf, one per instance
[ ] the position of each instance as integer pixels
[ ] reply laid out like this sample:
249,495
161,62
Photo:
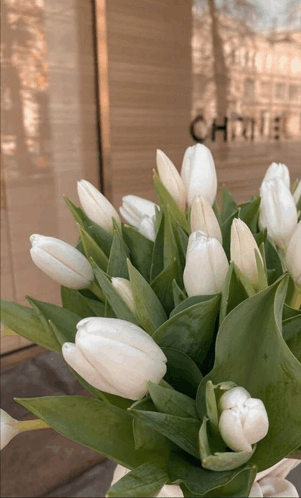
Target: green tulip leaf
251,352
92,423
190,301
144,481
92,250
291,330
226,232
273,260
64,320
172,402
249,213
167,201
171,249
157,264
178,294
181,431
245,282
118,305
182,372
149,310
145,437
289,312
74,300
220,461
163,285
233,293
117,266
102,238
203,482
27,323
141,250
183,241
192,331
229,205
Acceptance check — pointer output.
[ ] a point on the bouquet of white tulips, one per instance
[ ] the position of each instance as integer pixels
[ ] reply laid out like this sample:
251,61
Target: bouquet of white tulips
184,323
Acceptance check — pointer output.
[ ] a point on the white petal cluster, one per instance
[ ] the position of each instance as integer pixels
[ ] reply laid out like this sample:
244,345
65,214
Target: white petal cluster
123,287
203,218
272,482
242,249
61,261
198,176
8,428
243,421
115,356
96,206
278,170
139,213
278,212
293,255
206,265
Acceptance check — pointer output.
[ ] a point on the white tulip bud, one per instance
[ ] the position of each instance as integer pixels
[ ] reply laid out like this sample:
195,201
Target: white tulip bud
147,227
198,173
242,248
206,265
96,206
271,482
278,212
293,255
203,218
171,179
278,488
255,491
115,356
278,170
134,208
297,193
123,287
61,261
9,428
243,420
280,469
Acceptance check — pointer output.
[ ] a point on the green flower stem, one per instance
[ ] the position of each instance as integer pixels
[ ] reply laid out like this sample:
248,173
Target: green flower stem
93,287
32,425
296,298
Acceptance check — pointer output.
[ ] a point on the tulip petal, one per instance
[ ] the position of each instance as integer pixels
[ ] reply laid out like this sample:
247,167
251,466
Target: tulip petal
77,360
256,491
234,397
203,218
256,423
122,331
232,432
293,255
134,208
171,178
277,488
199,174
124,366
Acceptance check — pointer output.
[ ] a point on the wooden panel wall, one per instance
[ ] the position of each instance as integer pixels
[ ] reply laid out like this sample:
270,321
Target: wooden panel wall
149,79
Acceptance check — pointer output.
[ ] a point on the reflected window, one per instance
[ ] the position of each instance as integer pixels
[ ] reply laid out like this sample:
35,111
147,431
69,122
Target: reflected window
266,89
294,92
249,88
280,90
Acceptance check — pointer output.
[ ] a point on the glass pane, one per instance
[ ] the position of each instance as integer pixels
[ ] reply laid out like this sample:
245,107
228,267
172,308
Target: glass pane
246,68
48,134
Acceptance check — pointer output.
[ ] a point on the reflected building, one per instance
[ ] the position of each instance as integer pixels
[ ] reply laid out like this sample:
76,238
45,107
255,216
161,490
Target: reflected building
262,80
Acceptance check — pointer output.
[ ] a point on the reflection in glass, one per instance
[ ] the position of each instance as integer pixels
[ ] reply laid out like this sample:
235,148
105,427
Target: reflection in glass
247,67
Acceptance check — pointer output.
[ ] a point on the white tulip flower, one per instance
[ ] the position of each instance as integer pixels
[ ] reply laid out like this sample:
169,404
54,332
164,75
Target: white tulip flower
9,428
134,208
206,265
61,261
297,193
171,179
115,356
123,287
96,206
203,218
278,212
242,249
243,421
199,174
272,482
278,170
293,255
147,227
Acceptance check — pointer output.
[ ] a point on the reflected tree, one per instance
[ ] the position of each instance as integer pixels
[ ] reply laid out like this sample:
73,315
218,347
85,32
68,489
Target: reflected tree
231,21
25,83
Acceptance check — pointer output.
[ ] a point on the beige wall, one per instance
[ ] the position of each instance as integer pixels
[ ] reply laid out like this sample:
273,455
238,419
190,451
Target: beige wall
149,75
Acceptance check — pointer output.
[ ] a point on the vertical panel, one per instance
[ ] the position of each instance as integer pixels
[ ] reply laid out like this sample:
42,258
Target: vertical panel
150,88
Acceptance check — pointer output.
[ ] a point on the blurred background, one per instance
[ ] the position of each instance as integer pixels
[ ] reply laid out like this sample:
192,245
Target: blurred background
90,89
